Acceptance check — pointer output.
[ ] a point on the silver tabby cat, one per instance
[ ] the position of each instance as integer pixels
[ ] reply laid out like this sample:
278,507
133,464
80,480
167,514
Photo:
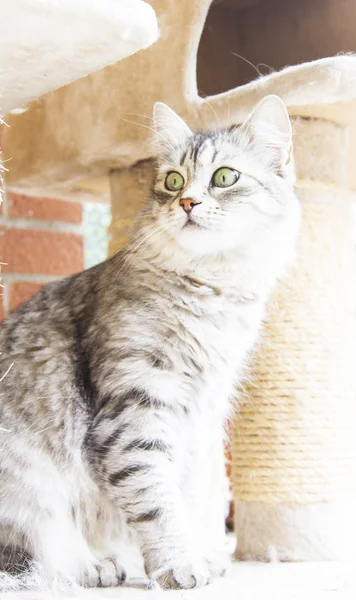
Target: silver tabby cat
116,382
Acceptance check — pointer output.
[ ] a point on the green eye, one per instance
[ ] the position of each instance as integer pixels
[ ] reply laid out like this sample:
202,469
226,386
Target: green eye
225,177
174,181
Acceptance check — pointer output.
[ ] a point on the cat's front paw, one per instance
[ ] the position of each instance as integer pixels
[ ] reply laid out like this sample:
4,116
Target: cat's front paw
106,573
185,576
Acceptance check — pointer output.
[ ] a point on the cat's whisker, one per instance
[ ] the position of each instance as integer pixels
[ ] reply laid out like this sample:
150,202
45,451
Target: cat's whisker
148,241
149,118
248,62
132,114
228,114
6,372
154,131
213,111
155,229
142,243
138,239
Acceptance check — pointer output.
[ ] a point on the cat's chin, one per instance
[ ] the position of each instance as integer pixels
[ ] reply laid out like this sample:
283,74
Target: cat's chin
201,241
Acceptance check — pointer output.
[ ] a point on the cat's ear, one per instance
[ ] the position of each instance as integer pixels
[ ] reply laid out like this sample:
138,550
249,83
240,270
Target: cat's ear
170,128
269,129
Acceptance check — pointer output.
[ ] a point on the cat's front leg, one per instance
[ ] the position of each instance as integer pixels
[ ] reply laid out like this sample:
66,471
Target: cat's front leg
206,490
138,462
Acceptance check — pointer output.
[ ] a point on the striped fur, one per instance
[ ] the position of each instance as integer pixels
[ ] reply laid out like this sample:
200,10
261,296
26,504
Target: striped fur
118,380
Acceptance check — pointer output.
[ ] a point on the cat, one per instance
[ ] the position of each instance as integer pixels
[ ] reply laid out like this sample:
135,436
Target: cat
117,382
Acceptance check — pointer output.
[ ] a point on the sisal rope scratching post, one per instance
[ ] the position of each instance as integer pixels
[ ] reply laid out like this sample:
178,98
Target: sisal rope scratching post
293,441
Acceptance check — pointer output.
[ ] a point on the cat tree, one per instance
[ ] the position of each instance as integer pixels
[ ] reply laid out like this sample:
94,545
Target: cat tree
45,45
33,59
293,451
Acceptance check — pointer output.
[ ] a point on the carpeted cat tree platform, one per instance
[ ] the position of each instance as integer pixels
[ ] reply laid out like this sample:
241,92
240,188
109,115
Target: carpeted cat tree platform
293,439
45,45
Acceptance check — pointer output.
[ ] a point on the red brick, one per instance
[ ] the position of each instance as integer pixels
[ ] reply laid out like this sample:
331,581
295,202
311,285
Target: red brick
49,209
42,252
22,291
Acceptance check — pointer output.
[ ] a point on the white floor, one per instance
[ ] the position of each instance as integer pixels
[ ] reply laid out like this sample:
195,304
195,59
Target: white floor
244,581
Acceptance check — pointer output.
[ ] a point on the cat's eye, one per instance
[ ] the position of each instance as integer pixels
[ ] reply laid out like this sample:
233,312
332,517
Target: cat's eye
174,181
225,177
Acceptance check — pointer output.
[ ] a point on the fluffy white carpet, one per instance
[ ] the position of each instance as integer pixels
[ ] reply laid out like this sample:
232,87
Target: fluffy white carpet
245,581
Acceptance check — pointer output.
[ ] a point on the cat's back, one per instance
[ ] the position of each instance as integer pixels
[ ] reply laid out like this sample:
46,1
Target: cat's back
39,350
35,323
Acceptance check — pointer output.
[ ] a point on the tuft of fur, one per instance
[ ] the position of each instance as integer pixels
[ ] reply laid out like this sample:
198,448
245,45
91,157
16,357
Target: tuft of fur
117,381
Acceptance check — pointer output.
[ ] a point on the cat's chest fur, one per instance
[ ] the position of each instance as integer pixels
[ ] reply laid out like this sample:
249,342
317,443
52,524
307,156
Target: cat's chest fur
217,340
199,340
220,322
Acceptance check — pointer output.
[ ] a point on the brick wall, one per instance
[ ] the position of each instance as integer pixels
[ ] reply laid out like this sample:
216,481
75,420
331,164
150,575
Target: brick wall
40,241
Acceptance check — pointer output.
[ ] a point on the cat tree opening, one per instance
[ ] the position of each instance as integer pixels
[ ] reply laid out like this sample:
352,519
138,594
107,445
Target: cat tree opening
243,39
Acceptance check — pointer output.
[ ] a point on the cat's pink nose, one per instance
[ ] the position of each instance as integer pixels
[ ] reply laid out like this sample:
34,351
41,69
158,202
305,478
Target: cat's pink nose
188,204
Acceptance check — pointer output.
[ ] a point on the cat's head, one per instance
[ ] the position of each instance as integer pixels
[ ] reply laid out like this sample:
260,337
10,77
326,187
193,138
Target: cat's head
217,190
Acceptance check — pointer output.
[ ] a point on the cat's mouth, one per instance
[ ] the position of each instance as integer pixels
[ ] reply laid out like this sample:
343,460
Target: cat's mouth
191,224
